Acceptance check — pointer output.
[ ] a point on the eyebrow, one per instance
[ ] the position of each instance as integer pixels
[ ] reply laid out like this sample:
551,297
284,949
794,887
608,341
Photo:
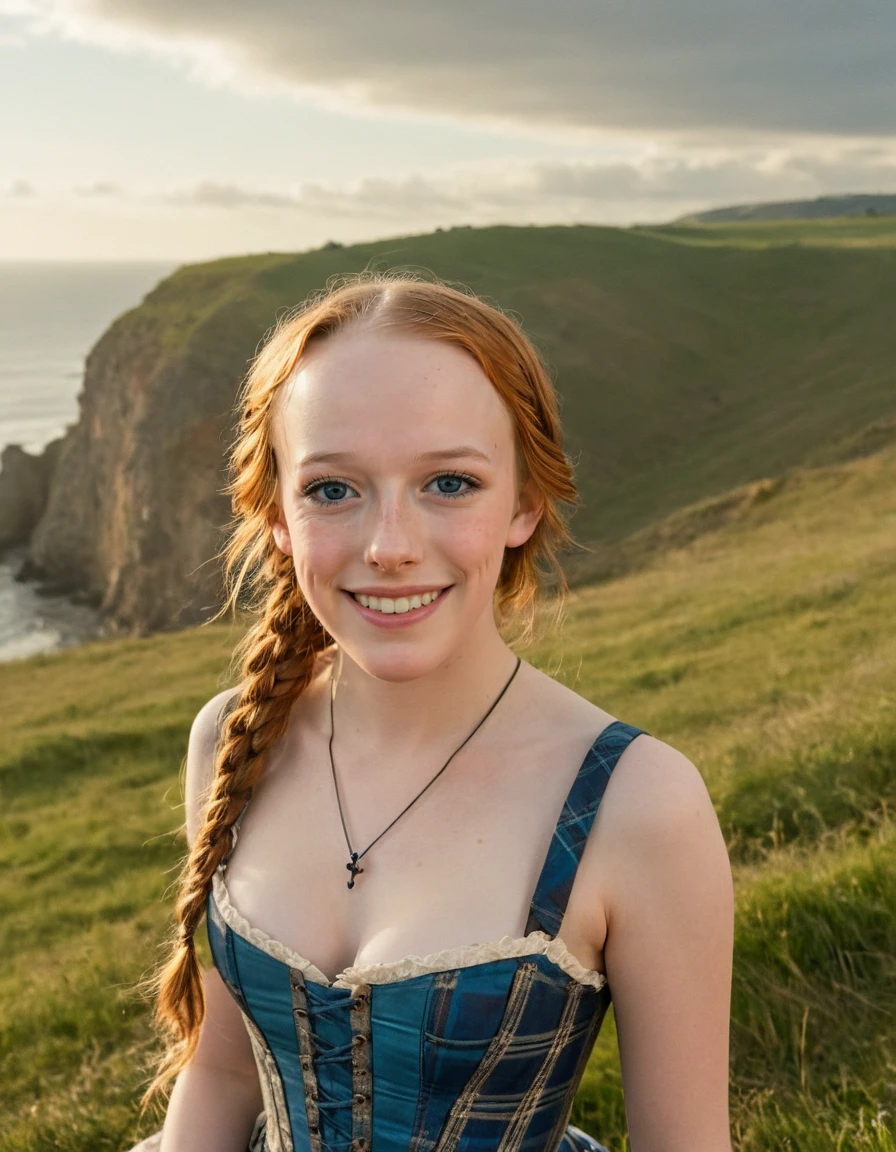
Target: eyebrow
462,451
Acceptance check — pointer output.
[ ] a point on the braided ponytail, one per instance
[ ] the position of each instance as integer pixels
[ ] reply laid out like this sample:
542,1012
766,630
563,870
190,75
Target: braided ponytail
278,655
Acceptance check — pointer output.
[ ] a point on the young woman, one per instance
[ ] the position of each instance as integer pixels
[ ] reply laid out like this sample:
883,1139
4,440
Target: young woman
424,863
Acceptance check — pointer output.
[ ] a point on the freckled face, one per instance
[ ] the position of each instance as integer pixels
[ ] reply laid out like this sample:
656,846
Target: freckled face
418,494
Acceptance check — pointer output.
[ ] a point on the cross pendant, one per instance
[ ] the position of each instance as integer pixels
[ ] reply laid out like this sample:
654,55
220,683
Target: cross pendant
354,869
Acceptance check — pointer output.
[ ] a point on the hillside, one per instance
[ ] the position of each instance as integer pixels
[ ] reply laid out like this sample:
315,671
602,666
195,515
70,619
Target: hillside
760,643
689,360
822,207
846,232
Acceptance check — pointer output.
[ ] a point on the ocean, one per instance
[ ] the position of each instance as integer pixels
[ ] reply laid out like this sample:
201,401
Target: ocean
50,317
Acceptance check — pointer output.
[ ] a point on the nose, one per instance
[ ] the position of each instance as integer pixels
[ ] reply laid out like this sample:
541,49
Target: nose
394,539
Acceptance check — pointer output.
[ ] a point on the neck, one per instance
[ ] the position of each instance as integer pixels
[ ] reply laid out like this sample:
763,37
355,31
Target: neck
414,717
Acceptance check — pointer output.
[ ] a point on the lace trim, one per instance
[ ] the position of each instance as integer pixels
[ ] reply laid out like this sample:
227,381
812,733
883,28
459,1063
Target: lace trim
394,971
242,927
469,955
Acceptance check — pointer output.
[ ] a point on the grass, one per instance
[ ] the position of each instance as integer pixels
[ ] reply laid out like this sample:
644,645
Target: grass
691,359
842,231
761,645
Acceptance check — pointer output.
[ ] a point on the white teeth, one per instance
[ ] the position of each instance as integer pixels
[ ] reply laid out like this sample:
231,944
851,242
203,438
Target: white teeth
398,606
436,594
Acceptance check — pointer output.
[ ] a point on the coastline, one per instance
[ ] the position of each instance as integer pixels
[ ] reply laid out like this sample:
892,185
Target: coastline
51,315
33,622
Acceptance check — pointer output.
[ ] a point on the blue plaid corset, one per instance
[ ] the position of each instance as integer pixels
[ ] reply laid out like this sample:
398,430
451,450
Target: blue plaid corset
478,1049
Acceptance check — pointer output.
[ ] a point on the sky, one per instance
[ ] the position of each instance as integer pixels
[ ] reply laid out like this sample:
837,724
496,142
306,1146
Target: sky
165,130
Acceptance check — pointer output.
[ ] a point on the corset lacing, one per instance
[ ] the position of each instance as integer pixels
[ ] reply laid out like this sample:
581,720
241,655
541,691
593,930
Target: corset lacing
335,1108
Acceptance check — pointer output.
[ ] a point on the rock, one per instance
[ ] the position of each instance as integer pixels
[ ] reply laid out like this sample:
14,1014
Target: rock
135,513
24,487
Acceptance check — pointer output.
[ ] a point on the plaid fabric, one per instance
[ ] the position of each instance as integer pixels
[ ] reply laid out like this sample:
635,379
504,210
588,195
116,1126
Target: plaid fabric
504,1044
568,842
575,1140
484,1058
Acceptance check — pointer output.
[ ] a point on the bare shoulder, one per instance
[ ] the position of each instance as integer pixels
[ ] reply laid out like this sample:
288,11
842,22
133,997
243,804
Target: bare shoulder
656,787
200,769
201,758
657,825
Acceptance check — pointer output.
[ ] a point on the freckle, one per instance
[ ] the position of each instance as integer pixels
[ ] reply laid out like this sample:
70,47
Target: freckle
478,840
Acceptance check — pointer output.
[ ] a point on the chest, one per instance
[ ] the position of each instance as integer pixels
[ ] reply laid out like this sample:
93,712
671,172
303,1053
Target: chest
459,866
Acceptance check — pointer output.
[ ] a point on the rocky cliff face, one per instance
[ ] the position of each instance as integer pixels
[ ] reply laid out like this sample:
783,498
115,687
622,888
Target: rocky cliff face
24,489
135,510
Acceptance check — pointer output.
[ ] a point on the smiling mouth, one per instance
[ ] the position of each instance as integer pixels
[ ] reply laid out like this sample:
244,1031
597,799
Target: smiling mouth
399,605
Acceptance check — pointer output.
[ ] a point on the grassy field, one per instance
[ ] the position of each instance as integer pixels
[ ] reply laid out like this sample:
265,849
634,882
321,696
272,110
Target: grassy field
760,643
690,359
841,232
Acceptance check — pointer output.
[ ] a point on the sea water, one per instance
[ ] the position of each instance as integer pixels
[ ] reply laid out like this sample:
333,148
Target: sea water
51,315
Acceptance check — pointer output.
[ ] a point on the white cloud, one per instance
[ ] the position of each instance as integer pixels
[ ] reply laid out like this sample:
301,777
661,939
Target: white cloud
661,182
651,66
21,190
100,189
209,194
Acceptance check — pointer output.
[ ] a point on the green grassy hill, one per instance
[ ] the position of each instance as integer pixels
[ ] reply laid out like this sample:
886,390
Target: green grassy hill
832,232
691,359
822,207
760,644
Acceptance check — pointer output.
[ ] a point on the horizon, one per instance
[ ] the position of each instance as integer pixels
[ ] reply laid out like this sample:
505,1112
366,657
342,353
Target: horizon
175,261
200,133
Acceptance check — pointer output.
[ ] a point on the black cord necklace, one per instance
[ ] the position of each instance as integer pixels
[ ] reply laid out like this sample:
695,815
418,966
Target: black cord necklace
352,865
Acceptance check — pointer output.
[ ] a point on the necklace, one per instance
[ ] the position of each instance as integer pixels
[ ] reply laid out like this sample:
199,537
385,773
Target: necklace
352,865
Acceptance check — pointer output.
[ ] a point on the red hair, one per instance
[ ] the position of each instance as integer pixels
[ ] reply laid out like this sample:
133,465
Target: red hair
277,654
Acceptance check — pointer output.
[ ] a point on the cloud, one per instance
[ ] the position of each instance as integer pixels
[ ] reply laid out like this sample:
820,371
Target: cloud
209,194
708,66
100,189
659,183
21,190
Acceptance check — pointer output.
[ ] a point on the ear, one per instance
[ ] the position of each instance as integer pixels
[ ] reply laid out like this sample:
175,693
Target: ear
281,537
529,509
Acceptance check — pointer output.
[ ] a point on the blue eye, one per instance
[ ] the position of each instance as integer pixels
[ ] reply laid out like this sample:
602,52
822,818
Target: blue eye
456,484
327,491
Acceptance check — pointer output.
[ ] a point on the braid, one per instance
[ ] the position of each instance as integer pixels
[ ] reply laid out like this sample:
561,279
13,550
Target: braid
278,654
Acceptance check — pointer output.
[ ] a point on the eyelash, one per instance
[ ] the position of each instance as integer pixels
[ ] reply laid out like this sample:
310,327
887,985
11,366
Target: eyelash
315,485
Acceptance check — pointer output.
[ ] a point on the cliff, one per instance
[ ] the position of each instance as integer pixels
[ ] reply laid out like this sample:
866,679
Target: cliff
134,513
24,489
684,369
